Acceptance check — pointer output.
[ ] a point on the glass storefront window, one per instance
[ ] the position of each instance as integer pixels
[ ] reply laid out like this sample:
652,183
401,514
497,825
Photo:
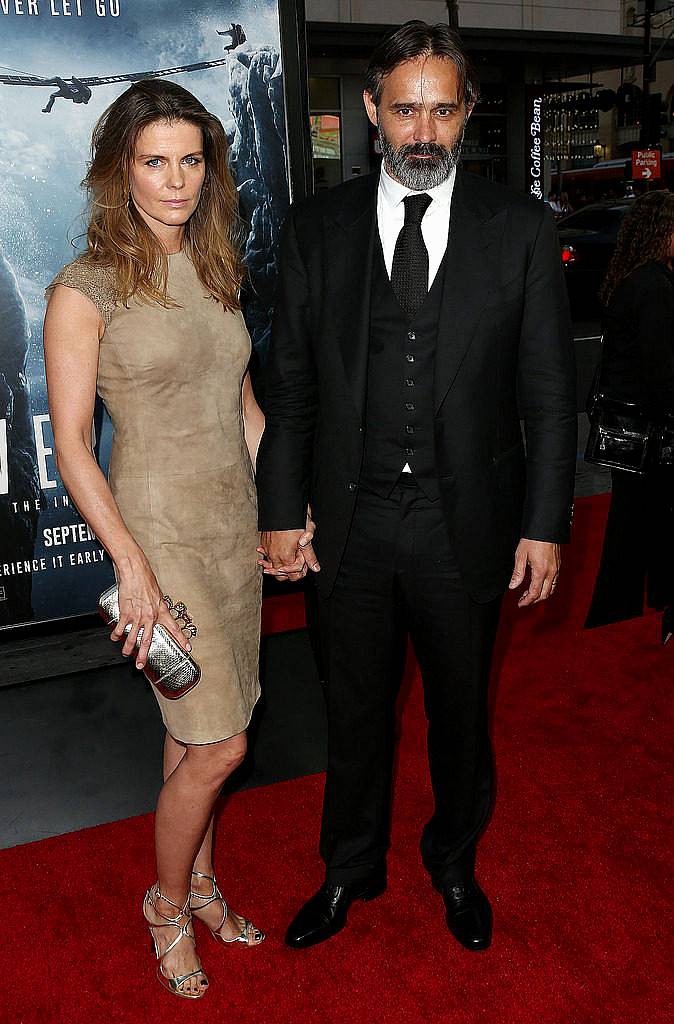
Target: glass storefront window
326,130
326,136
484,144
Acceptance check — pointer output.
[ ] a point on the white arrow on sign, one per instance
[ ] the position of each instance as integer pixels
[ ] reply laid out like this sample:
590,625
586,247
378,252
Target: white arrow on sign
647,173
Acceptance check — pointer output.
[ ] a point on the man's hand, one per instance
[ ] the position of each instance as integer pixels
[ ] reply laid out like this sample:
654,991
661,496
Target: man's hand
544,560
289,554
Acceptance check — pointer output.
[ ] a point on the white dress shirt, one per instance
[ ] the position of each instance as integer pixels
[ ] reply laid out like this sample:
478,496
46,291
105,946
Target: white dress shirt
434,226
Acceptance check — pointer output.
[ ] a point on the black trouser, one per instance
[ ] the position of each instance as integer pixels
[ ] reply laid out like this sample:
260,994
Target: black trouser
399,575
637,559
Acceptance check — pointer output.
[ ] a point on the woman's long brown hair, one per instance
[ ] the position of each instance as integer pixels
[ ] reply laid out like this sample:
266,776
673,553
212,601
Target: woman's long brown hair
645,235
119,237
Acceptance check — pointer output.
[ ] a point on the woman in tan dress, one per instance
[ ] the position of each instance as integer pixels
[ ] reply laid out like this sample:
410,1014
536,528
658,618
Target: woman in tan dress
150,317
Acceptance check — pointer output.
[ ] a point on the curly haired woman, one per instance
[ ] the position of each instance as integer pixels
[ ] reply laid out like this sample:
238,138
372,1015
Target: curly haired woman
638,366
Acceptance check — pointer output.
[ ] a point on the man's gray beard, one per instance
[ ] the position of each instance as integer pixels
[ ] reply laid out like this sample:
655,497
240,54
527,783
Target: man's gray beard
421,174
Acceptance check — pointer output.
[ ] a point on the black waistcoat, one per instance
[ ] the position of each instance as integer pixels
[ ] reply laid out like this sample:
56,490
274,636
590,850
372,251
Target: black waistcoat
401,364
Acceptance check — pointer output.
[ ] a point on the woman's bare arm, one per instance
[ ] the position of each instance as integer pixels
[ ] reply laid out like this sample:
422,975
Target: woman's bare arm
254,428
253,418
72,331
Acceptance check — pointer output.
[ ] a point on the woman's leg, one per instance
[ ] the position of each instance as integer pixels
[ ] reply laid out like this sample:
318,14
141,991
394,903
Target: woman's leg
203,862
184,812
173,755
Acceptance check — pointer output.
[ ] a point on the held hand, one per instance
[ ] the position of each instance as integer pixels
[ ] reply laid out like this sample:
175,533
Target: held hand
281,555
544,560
288,554
306,545
141,605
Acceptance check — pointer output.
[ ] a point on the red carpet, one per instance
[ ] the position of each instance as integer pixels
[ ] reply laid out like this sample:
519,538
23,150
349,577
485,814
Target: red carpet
575,861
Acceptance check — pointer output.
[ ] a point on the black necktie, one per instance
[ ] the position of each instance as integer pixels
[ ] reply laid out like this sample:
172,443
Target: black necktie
409,274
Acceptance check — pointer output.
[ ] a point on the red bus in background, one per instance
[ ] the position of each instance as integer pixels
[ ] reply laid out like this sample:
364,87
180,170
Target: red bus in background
609,179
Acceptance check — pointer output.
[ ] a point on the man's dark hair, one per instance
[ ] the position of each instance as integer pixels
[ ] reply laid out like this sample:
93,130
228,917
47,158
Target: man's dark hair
417,39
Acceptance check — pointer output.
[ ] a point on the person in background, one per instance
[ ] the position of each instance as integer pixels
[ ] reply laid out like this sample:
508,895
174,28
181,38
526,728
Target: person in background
637,365
150,317
553,202
565,206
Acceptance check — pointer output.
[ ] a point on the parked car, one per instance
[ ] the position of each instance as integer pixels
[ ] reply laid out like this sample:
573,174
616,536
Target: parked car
587,239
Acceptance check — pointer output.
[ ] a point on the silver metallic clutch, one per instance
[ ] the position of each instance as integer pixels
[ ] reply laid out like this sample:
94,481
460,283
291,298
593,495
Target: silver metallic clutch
168,667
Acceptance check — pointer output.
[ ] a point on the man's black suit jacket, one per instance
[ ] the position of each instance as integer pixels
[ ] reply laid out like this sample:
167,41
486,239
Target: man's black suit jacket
504,335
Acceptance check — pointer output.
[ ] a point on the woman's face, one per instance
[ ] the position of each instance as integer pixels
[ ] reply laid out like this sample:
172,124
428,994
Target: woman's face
167,175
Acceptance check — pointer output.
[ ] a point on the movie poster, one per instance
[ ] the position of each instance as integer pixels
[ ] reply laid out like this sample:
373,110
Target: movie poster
63,62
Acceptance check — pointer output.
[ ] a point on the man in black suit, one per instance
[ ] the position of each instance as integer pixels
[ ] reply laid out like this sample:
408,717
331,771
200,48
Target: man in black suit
415,308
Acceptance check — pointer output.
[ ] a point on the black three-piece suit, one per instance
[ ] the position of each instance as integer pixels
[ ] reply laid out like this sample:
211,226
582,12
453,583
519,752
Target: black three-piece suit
356,389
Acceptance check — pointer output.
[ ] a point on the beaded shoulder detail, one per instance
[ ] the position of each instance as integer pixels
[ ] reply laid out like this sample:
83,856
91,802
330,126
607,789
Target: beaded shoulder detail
92,280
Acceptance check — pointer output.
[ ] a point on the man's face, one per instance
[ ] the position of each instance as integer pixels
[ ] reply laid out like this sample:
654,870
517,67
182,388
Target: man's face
421,118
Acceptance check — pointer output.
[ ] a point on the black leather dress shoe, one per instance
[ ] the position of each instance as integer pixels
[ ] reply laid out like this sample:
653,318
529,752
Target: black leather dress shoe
325,913
469,915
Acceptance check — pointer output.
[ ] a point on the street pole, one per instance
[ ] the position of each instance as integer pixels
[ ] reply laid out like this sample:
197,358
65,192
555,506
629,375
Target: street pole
453,13
648,76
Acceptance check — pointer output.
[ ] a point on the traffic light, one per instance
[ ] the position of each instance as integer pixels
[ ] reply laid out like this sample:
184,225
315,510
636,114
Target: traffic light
655,120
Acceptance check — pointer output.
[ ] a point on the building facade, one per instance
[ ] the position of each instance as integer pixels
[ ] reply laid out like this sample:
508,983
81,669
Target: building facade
600,16
530,54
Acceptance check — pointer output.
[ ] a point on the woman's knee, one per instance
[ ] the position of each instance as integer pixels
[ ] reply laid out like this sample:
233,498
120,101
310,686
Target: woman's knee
234,750
216,761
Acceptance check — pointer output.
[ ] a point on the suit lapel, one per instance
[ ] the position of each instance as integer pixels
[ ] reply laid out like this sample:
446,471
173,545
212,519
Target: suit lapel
472,251
350,241
471,269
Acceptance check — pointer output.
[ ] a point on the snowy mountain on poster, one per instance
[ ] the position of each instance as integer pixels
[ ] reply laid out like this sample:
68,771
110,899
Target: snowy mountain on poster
73,57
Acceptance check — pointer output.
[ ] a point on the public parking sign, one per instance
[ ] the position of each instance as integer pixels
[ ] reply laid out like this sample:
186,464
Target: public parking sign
646,164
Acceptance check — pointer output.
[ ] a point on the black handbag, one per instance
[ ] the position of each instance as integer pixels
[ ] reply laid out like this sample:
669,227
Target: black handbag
622,433
620,436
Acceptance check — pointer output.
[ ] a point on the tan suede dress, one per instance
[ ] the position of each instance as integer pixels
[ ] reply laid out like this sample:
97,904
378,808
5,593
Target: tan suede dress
182,477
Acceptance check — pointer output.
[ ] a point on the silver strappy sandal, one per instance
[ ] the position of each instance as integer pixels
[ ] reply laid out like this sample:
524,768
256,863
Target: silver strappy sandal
173,985
249,934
